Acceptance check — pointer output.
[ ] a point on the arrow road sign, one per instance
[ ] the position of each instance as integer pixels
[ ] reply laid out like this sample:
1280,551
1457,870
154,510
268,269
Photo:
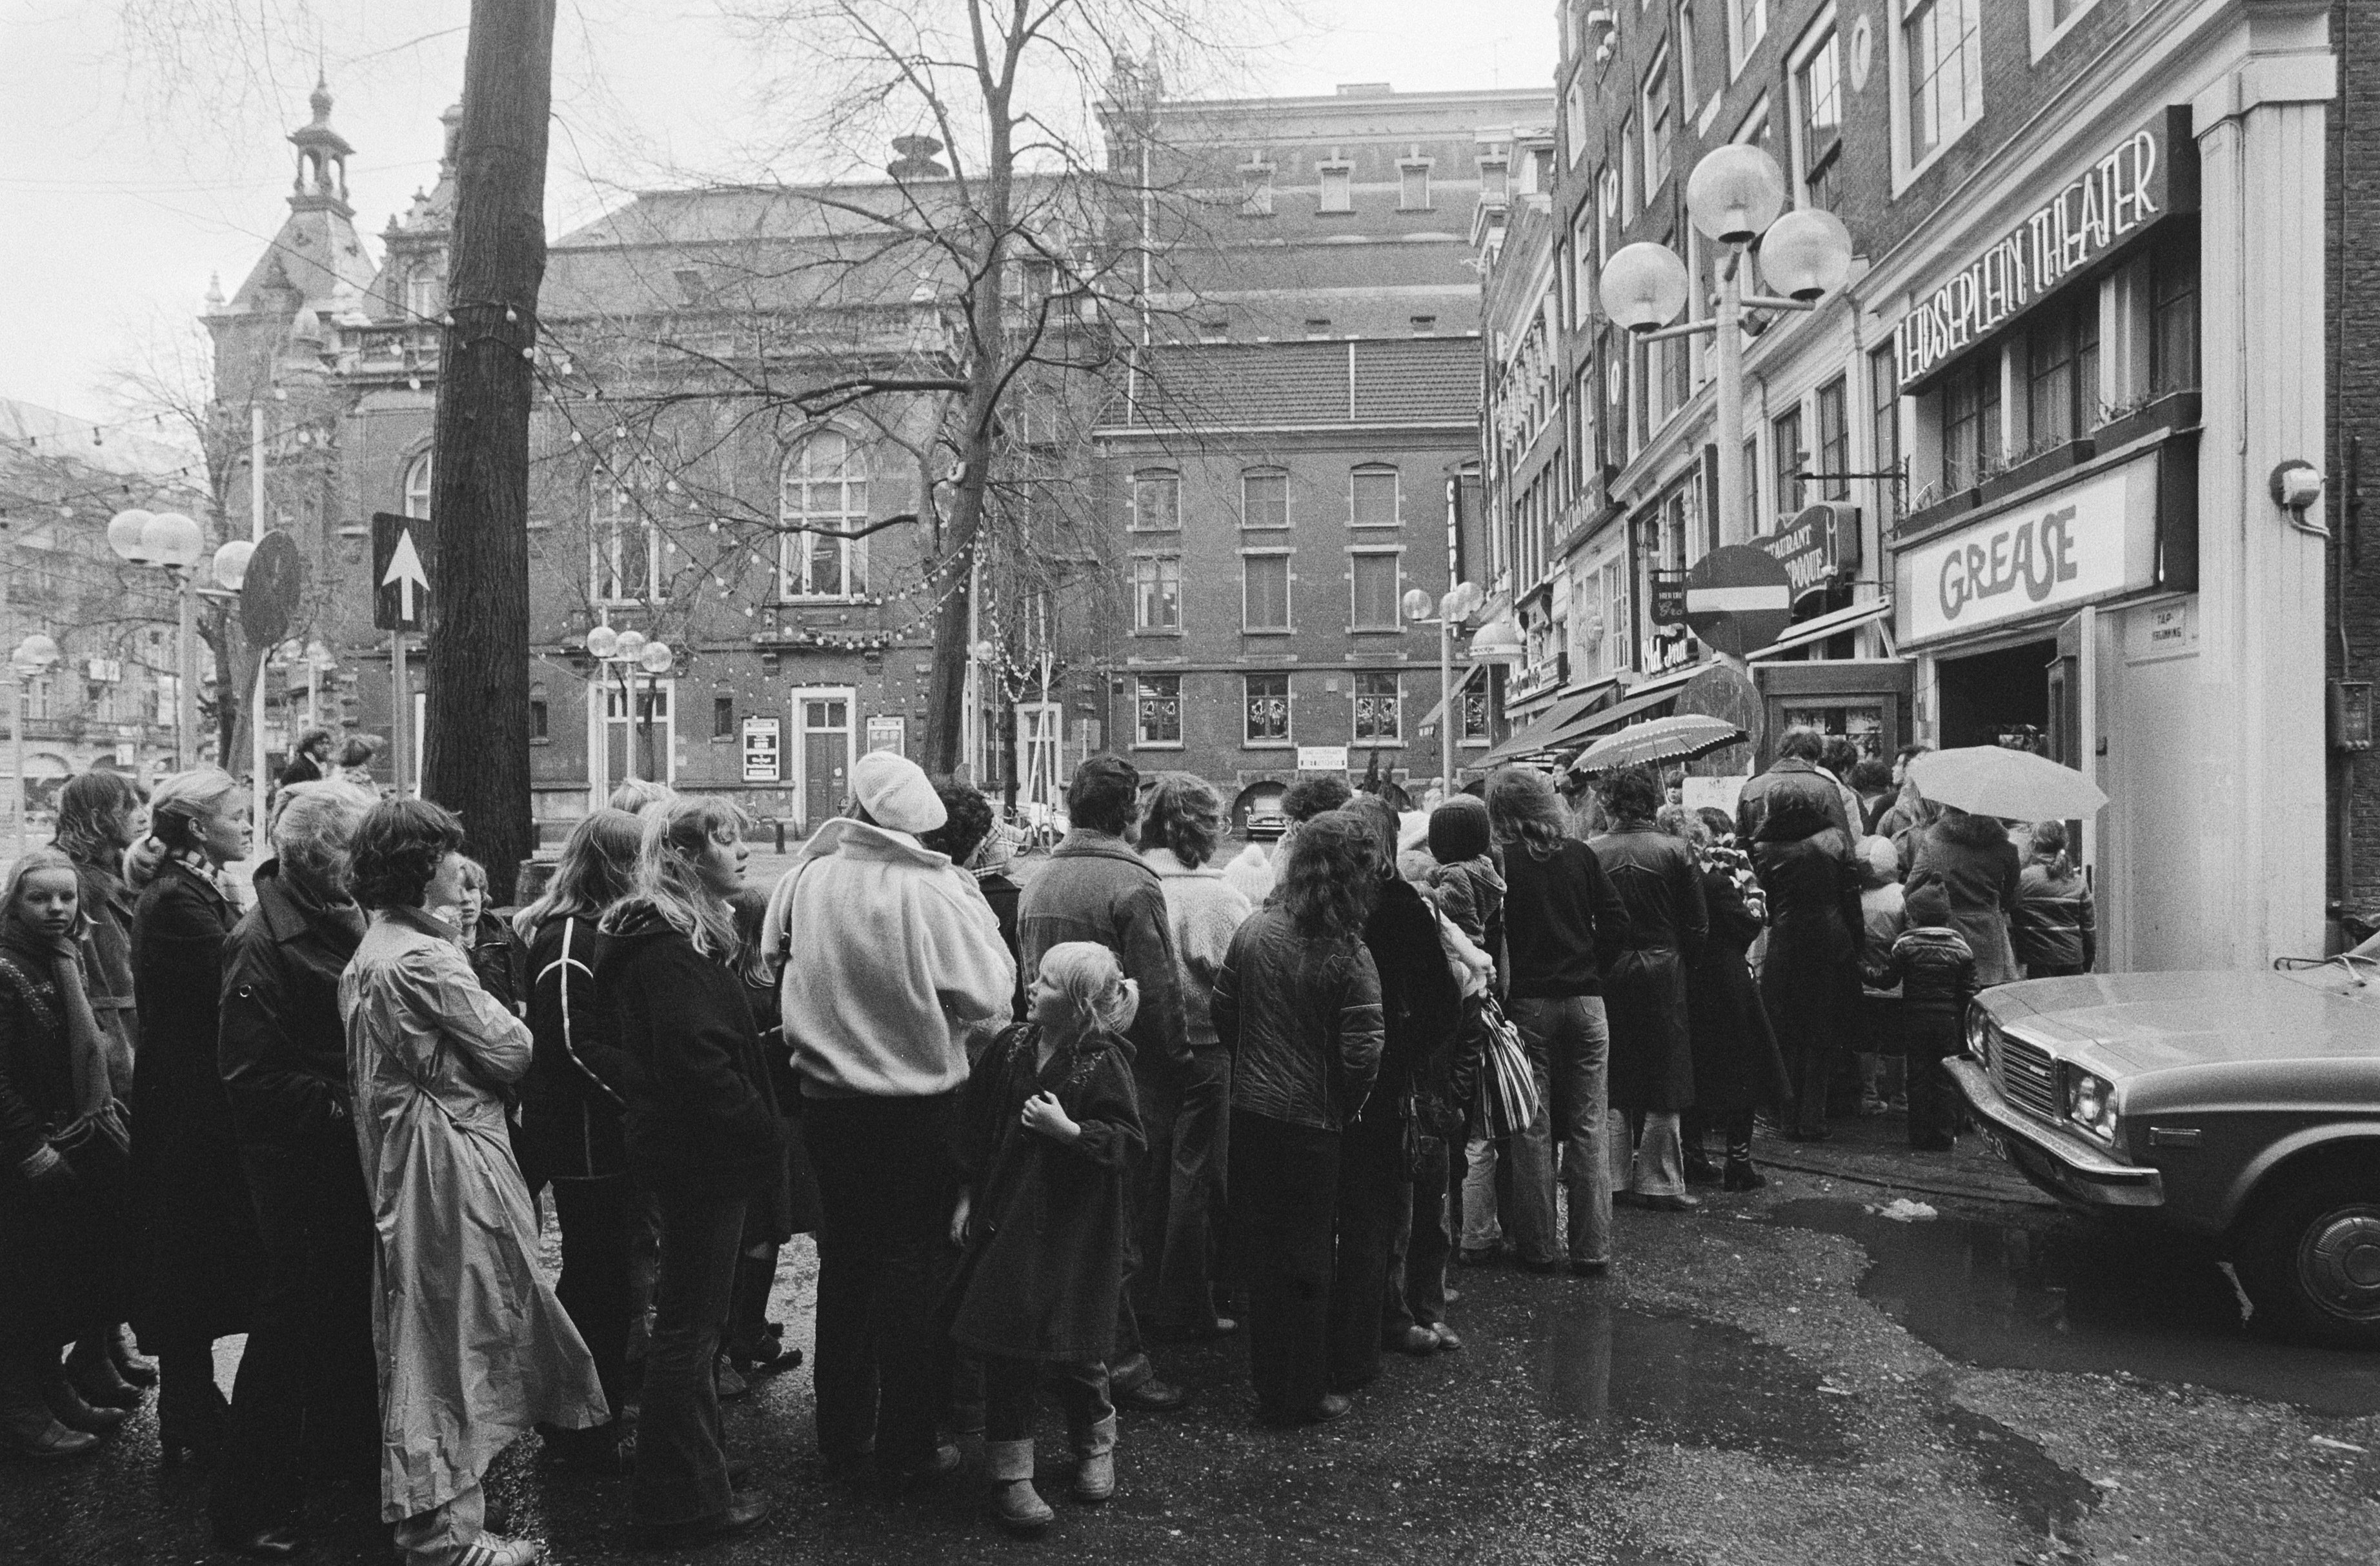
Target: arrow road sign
401,546
1738,598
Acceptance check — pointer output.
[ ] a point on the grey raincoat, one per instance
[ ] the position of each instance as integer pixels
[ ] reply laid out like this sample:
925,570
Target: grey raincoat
474,1348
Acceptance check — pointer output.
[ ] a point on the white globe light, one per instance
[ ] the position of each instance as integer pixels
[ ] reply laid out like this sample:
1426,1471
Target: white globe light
601,641
1417,604
172,539
1806,254
231,564
35,653
656,658
1462,602
630,646
1644,286
1498,641
319,655
126,533
1735,193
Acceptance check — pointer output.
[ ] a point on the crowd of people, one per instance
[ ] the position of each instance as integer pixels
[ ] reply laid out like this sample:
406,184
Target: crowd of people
1040,1133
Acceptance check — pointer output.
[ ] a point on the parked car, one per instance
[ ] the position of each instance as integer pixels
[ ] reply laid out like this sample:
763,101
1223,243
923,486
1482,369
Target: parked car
2241,1105
1266,821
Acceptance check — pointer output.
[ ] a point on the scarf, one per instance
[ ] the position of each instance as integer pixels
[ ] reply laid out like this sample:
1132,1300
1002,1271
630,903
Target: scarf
1724,855
198,865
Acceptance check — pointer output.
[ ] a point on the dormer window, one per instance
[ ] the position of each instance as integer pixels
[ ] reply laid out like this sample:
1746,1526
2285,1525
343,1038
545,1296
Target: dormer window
421,294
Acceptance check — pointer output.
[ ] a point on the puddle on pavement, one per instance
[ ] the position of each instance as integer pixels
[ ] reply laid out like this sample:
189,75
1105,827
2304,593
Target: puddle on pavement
2064,1294
1674,1378
2046,1498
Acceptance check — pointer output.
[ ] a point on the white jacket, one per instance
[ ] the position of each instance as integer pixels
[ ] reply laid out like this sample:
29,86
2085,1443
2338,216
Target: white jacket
891,952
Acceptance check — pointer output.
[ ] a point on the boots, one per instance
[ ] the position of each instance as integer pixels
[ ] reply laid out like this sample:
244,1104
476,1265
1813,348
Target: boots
130,1363
69,1409
1095,1470
26,1428
1741,1175
749,1344
92,1371
1016,1504
191,1413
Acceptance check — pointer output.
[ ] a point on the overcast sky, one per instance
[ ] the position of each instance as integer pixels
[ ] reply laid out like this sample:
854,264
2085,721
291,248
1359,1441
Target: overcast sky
125,182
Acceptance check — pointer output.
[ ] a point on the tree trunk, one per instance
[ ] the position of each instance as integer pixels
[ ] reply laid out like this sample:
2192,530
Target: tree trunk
475,755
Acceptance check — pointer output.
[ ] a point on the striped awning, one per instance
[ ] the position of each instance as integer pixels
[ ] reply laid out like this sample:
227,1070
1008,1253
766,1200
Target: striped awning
1555,729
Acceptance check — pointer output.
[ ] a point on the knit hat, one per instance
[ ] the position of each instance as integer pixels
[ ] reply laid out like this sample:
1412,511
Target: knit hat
1458,829
895,792
1928,907
1883,860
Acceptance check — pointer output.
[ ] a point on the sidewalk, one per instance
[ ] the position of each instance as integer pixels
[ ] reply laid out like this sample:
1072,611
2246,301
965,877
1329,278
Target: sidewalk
1877,1152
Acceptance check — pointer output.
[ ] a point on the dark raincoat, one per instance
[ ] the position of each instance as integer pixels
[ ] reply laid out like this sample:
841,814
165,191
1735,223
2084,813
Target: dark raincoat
1737,1066
1644,984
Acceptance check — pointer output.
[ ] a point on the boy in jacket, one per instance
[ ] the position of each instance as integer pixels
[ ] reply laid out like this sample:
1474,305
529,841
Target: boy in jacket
1935,970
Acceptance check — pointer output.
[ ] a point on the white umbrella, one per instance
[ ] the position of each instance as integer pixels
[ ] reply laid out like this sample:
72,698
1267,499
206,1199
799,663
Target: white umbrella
2016,785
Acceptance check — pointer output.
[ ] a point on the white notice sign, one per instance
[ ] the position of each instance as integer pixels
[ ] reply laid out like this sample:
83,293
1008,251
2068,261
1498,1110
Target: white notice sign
1321,758
763,755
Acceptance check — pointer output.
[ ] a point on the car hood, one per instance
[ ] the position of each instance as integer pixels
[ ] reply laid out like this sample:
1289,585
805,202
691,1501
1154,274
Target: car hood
2165,1020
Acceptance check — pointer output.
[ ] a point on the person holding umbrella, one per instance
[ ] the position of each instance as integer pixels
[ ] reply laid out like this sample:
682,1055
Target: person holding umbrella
1968,853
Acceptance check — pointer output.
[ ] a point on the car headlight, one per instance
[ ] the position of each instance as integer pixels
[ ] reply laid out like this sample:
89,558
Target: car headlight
1979,1030
2090,1103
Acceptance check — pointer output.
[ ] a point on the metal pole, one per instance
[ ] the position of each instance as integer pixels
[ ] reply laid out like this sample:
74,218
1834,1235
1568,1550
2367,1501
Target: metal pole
1734,513
1446,700
971,730
264,655
400,726
186,680
17,729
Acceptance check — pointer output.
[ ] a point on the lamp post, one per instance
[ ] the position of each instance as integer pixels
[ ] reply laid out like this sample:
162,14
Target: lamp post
230,573
628,653
1734,197
171,542
1460,602
33,657
318,659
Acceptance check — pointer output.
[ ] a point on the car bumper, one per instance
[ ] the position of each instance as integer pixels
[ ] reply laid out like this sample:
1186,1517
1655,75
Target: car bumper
2060,1162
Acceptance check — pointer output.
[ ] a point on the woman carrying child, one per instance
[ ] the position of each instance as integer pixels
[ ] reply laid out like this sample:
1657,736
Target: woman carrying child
1048,1129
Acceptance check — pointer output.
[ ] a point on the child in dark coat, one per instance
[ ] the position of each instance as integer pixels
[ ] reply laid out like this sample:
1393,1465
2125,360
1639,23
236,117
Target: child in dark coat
1935,969
1048,1131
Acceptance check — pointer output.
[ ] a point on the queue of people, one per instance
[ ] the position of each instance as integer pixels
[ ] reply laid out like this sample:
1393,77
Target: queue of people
1039,1134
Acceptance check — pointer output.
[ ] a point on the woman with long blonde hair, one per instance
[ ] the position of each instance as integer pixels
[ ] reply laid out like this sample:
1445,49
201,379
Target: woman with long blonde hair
701,1133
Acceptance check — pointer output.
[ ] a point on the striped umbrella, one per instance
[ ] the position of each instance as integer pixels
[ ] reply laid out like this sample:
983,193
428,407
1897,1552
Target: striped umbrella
1681,738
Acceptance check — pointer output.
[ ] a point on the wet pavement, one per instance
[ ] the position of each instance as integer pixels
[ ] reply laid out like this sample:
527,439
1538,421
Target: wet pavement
1776,1379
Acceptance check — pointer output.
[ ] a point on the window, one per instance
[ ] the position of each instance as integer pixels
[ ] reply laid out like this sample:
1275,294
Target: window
2061,391
1660,124
1835,438
1158,713
1785,451
2173,318
417,486
1942,50
1751,481
538,731
1372,497
2051,21
1883,416
1379,709
100,698
40,690
626,548
1264,592
1264,500
1338,183
1493,176
1631,201
1606,216
824,487
1616,630
1412,188
1574,118
1267,708
1685,33
1818,117
1156,501
723,717
1478,726
1970,424
422,294
1373,582
1747,24
1157,593
1256,190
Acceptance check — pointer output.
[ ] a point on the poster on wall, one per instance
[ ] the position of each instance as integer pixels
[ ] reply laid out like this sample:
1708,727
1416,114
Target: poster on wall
763,750
889,734
1704,793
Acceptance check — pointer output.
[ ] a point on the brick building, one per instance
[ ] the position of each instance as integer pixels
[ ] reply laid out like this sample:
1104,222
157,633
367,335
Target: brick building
1288,459
2086,317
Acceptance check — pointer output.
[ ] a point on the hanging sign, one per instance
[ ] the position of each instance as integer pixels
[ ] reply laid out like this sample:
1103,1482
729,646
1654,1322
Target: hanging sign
2089,540
2146,177
1669,598
1818,546
763,750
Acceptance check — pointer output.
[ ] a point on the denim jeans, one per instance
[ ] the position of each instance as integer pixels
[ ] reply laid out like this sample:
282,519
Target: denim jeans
885,1188
1193,1217
1477,1182
1647,1153
1417,1295
681,1448
1374,1212
1568,1042
598,1218
1284,1202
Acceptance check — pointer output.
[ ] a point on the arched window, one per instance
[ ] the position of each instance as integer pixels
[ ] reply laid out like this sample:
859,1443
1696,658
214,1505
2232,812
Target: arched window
824,487
417,486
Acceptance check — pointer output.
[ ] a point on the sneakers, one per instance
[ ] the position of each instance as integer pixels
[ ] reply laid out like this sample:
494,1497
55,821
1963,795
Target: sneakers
1018,1507
491,1550
1871,1107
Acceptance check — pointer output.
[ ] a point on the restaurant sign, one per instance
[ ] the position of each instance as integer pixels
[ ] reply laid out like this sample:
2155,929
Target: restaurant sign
2148,176
2089,540
1818,546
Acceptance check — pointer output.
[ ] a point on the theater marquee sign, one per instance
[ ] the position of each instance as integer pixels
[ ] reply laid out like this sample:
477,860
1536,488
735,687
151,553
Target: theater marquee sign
2151,174
2091,539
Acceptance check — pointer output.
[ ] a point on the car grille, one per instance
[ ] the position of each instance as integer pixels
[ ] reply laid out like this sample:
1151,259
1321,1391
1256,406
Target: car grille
2025,1075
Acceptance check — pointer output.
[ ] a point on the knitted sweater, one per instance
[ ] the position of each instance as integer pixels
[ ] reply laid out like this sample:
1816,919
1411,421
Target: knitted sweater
1203,910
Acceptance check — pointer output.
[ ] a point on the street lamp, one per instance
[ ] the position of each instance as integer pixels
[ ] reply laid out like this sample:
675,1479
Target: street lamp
170,542
1734,197
628,653
1461,601
34,657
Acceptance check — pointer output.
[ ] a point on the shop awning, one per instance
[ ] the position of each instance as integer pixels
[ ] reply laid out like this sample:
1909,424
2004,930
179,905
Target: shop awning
1462,682
1833,624
1556,727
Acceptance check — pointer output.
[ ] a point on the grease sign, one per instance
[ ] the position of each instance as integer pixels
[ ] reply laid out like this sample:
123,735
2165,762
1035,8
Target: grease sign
2150,174
2087,541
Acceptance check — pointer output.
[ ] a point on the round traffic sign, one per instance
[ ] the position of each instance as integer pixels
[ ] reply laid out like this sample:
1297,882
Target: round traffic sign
1738,598
268,598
